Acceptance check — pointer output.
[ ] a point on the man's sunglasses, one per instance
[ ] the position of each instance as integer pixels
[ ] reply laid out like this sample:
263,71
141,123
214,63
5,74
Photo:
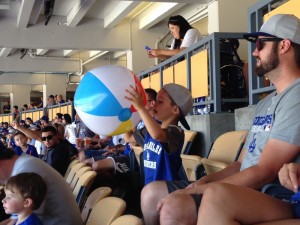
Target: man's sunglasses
49,137
259,43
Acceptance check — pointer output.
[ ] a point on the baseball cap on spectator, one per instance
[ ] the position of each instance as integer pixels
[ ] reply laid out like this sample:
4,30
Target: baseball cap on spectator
38,122
182,98
34,127
45,118
12,131
285,26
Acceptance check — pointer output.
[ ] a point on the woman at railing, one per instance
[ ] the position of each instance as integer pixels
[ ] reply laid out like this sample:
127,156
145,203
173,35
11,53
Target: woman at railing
184,36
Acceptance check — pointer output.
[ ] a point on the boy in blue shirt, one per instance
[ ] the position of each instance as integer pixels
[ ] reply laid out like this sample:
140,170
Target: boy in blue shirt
22,146
24,192
163,142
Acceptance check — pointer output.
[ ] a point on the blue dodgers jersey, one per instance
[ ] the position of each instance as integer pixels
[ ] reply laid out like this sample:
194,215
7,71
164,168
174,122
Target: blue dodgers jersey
158,163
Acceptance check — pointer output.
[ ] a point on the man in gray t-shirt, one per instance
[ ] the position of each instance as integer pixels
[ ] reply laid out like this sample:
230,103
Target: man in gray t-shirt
59,206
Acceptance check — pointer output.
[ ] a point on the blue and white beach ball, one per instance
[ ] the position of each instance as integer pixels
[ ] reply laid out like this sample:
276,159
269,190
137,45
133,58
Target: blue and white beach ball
100,103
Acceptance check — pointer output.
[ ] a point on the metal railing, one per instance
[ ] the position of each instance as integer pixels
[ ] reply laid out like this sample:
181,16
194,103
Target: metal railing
212,44
36,114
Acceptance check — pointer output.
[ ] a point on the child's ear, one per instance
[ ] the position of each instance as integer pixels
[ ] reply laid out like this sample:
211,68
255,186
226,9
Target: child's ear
176,110
28,202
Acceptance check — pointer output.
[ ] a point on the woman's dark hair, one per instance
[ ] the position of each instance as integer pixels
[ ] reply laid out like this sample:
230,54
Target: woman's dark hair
67,118
184,26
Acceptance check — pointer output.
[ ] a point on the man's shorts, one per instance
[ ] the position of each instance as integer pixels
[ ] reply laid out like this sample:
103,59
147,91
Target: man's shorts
181,184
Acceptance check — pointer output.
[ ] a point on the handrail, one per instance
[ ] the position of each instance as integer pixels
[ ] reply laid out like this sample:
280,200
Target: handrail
211,43
36,114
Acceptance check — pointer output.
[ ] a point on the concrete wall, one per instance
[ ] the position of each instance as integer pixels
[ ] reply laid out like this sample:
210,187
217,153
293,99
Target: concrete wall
209,127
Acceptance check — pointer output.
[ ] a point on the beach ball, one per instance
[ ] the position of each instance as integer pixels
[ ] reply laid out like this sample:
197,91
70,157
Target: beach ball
100,103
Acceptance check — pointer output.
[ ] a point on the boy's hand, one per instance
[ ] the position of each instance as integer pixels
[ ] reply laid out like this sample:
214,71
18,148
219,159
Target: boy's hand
135,97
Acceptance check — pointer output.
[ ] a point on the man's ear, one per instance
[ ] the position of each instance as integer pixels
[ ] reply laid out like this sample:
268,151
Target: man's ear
28,202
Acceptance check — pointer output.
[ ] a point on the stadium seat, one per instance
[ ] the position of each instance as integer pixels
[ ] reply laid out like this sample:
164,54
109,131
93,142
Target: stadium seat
106,210
78,174
92,200
189,136
73,171
83,186
127,220
224,151
73,163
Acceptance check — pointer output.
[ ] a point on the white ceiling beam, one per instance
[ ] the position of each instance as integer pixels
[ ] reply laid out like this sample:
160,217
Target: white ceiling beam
24,13
158,12
78,11
5,52
69,52
119,54
91,36
36,11
4,5
39,64
119,13
41,51
93,53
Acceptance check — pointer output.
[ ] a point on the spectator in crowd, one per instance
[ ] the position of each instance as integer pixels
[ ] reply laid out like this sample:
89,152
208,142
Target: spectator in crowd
82,131
16,114
58,118
40,104
69,128
22,146
59,206
137,135
60,99
39,145
268,146
23,123
163,142
51,101
58,151
44,121
25,193
184,36
28,121
10,142
4,128
25,107
6,108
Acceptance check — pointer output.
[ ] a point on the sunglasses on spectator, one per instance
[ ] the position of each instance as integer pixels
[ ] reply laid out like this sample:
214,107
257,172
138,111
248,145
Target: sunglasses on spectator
49,137
259,43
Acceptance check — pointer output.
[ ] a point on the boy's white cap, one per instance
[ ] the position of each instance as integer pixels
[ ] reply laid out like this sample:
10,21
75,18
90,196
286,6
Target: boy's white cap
182,98
283,26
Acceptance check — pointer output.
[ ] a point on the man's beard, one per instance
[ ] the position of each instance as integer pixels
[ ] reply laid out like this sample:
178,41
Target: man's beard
270,64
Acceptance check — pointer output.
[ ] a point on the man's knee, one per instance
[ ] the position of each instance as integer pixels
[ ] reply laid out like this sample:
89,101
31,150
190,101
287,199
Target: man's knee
180,209
217,189
154,189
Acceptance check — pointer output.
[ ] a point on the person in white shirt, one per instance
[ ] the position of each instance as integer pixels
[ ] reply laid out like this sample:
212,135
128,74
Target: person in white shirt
184,36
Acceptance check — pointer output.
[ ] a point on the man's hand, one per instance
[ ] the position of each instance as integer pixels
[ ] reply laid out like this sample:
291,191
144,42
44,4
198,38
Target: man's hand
289,176
15,125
